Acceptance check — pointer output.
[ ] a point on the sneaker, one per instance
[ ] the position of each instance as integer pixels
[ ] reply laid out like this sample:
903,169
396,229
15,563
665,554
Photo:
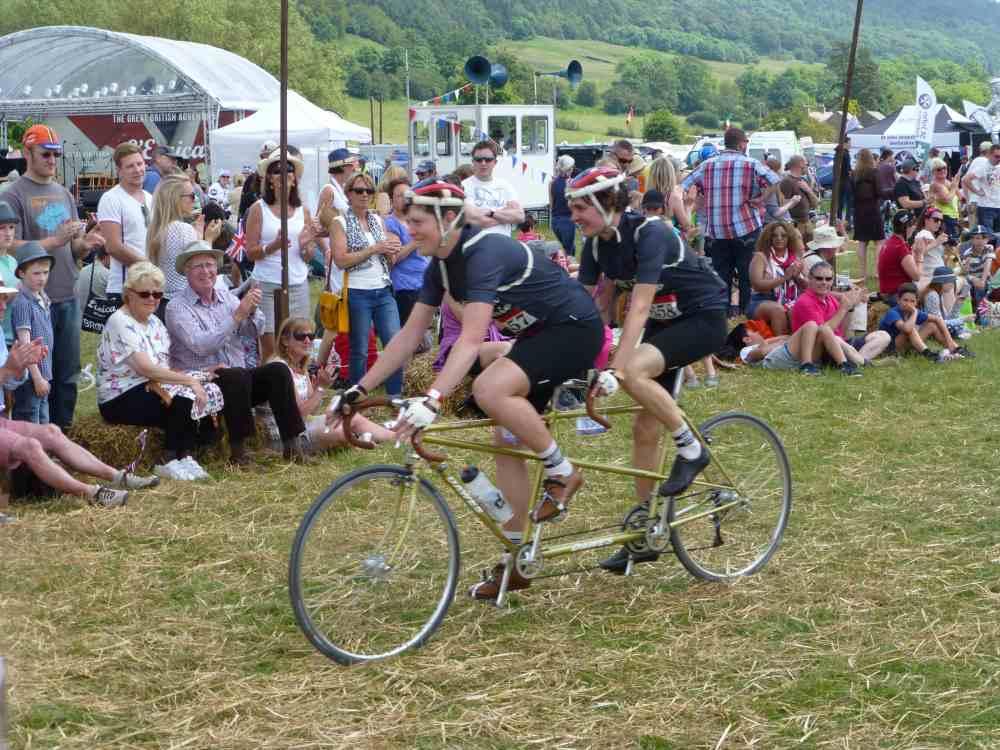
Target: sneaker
962,351
194,468
930,354
175,469
556,495
108,497
945,356
587,426
808,368
850,370
683,472
712,381
130,481
488,589
618,562
693,384
6,519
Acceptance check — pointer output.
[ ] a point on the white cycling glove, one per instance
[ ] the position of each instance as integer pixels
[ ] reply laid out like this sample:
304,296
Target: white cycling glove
351,396
606,383
418,412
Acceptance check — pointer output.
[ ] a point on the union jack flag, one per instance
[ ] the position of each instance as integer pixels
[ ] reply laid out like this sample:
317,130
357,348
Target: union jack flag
238,245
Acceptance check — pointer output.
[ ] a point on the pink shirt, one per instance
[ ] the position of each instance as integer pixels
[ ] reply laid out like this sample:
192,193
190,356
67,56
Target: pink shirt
810,307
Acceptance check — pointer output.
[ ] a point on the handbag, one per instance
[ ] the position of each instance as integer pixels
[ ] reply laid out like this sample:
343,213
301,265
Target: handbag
333,311
97,310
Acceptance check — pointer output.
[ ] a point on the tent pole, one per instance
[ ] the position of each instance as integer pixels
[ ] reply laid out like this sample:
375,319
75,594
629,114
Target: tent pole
839,158
281,300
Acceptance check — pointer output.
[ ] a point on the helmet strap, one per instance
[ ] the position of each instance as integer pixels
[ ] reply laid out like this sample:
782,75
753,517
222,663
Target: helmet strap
608,216
446,233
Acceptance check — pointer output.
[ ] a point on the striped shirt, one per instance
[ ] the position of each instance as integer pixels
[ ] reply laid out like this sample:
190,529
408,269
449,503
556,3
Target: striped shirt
32,311
728,182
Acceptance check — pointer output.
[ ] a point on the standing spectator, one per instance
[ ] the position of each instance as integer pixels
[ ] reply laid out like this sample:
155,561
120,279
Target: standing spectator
408,265
845,207
972,198
363,248
31,321
499,212
868,224
794,184
219,190
264,243
342,166
425,170
164,163
93,278
909,193
124,214
252,187
383,200
8,263
663,178
47,214
562,222
896,265
944,193
885,174
732,185
927,170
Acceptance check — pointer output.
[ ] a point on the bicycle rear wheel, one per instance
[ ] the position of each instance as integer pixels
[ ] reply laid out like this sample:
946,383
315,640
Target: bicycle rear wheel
374,565
733,528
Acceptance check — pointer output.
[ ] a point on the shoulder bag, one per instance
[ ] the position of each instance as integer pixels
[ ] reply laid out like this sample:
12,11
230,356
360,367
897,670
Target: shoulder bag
97,310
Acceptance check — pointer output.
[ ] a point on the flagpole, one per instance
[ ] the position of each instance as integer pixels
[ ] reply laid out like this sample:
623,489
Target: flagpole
838,161
281,300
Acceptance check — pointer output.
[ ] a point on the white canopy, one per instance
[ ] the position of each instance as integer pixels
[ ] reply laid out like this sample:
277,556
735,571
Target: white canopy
898,131
311,129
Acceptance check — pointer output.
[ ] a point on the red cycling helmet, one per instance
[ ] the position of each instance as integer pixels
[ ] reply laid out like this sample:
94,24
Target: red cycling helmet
592,181
438,194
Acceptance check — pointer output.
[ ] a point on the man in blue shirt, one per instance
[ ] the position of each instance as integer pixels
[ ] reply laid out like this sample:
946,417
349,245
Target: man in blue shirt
164,162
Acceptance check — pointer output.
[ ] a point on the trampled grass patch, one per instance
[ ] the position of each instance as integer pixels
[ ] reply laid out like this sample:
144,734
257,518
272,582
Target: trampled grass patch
875,625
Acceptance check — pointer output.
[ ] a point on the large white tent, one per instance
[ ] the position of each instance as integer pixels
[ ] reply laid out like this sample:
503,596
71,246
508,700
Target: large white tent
311,129
898,131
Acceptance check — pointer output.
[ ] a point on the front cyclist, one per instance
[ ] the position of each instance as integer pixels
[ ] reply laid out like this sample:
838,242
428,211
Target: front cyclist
557,329
676,315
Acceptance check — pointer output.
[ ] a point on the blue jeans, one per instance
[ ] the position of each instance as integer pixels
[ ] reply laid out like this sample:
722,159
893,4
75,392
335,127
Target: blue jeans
988,217
65,361
565,231
28,407
369,306
732,257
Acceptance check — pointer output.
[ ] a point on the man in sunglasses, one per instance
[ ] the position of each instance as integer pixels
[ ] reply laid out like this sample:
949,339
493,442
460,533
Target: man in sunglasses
123,213
47,214
207,324
342,165
497,209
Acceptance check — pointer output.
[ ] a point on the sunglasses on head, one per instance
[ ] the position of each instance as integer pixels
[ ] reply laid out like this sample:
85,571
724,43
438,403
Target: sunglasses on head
481,159
147,294
363,191
303,335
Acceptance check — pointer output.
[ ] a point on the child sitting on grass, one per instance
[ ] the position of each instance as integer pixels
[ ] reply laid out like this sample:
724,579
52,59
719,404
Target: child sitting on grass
909,328
31,319
977,262
526,230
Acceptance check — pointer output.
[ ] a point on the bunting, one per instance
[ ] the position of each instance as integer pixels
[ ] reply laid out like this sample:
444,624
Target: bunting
450,96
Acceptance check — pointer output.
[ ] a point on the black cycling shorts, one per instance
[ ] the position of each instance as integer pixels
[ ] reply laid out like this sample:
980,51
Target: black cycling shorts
557,354
686,340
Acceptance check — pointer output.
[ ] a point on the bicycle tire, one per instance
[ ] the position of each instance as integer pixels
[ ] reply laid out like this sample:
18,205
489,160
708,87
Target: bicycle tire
374,566
741,539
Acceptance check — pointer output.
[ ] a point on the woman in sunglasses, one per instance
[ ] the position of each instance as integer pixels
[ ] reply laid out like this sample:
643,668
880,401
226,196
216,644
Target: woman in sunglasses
929,245
295,349
172,227
134,377
264,243
362,247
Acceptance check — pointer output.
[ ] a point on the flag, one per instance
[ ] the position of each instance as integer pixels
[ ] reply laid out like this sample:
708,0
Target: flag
413,114
629,115
237,246
926,109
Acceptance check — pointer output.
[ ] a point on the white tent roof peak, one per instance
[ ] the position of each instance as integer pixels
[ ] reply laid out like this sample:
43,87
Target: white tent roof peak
305,120
75,54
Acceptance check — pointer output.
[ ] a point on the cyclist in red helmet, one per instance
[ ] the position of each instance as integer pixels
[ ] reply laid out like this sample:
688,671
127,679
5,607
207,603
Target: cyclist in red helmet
557,330
676,316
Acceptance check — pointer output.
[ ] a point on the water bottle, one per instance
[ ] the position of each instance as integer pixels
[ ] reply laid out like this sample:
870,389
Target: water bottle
489,497
315,349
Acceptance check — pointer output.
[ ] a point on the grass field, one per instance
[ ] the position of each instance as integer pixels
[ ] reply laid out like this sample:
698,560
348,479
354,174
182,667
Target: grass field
167,624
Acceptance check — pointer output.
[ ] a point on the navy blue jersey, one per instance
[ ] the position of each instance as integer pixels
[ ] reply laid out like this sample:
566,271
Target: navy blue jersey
527,290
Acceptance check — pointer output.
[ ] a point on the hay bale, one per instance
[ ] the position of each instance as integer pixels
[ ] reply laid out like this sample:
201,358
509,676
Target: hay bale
875,312
115,444
418,376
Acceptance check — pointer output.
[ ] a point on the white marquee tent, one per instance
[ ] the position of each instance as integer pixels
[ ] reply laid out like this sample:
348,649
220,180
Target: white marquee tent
313,130
898,131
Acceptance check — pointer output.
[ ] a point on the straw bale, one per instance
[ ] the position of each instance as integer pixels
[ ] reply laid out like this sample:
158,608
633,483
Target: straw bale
875,312
418,376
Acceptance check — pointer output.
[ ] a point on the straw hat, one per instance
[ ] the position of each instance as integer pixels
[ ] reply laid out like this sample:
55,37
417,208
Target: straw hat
275,156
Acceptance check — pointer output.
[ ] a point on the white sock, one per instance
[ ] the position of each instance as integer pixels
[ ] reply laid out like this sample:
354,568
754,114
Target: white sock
687,444
515,537
119,476
554,463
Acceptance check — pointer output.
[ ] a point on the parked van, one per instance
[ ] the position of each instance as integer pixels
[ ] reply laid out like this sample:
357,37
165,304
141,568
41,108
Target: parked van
780,144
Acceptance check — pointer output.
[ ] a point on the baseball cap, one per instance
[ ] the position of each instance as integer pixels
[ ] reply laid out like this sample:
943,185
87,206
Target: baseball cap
165,150
908,165
43,136
425,167
225,173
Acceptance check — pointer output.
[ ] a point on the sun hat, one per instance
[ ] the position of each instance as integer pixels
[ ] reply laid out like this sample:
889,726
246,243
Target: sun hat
7,215
943,275
30,252
979,229
341,157
198,247
6,291
825,237
42,136
268,147
275,156
225,173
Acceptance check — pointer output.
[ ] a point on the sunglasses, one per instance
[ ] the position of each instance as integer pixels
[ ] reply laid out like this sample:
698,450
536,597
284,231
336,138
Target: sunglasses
50,154
363,191
304,335
147,294
481,159
277,170
823,278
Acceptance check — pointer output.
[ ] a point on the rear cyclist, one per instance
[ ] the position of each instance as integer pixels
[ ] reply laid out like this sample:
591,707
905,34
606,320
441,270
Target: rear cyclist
558,334
676,316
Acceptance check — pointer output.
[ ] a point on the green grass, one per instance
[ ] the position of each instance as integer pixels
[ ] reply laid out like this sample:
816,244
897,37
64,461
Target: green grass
168,624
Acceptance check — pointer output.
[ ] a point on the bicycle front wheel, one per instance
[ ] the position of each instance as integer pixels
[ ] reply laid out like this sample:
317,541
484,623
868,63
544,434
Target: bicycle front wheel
731,521
374,565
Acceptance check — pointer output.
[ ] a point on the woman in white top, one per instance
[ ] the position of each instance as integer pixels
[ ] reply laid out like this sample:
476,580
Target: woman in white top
263,243
928,252
363,248
295,349
172,228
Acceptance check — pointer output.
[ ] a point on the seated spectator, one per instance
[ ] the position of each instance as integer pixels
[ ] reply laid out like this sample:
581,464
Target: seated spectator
775,277
910,328
37,445
822,247
133,372
931,302
295,350
31,319
205,324
526,230
801,351
896,264
977,260
928,252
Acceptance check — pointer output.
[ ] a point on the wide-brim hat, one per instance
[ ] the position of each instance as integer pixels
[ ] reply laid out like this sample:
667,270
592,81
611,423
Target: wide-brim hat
263,164
6,291
7,215
943,275
30,252
825,237
199,247
979,229
341,157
